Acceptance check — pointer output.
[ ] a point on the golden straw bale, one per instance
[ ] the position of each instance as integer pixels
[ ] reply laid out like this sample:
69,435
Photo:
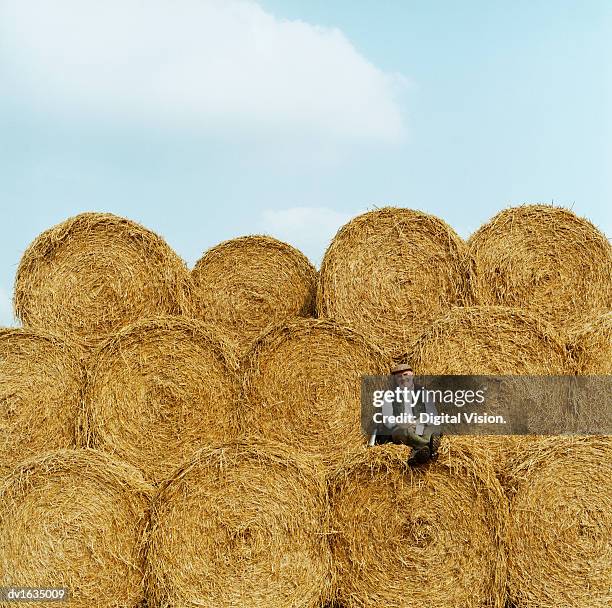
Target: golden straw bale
247,284
96,272
41,382
302,385
497,341
243,525
545,259
74,519
157,390
417,536
390,271
560,524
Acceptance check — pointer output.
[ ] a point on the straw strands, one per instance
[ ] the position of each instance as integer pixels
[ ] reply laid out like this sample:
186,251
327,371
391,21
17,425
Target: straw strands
302,386
157,390
390,271
591,346
41,381
74,519
492,340
410,537
591,351
489,340
242,525
250,283
560,524
95,273
544,259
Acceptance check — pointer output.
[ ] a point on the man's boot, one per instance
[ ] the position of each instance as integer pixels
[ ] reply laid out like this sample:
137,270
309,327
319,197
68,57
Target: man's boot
419,456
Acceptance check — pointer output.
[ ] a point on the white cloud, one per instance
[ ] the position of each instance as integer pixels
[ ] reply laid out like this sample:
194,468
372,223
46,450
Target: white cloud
310,229
216,65
6,309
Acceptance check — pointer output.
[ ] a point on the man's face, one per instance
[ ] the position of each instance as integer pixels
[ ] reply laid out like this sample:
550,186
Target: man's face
405,379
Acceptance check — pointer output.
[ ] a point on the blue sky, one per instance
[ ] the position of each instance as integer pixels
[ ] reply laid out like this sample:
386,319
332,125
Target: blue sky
209,119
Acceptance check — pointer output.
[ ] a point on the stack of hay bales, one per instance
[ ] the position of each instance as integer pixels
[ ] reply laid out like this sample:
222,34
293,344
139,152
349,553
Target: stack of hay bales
302,386
74,519
94,273
497,341
244,525
41,381
389,272
544,259
248,284
247,521
405,537
560,524
158,390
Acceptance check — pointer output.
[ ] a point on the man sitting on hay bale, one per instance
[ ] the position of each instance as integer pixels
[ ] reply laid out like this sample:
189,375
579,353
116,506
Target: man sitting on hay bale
418,436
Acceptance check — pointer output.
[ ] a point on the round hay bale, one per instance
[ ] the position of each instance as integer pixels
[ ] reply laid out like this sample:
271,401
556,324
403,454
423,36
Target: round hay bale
410,537
95,273
544,259
302,384
496,341
41,383
247,284
560,525
390,271
242,525
74,519
591,346
157,390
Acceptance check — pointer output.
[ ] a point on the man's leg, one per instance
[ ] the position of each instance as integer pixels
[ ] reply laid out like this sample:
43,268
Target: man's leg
407,437
423,448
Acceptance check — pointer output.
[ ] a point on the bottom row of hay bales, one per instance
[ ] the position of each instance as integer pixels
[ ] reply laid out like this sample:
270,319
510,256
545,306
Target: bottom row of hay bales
253,524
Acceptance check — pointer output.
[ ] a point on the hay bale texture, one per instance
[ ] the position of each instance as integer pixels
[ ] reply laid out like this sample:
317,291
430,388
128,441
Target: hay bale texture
250,283
74,519
591,352
591,346
496,341
560,525
489,340
544,259
157,390
405,537
94,273
242,525
41,382
390,271
302,386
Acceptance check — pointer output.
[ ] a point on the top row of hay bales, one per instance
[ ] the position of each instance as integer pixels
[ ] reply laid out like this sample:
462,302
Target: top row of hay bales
95,273
390,272
387,274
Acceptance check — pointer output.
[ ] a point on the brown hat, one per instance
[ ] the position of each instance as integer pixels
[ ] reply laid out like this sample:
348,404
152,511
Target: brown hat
402,367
